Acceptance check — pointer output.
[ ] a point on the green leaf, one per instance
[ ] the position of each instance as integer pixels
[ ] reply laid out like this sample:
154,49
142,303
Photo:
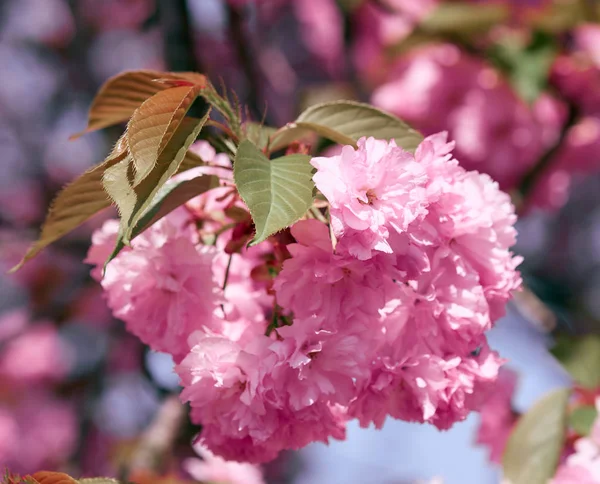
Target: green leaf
345,122
223,106
76,203
580,356
535,444
526,66
278,192
259,134
463,18
581,419
169,197
133,200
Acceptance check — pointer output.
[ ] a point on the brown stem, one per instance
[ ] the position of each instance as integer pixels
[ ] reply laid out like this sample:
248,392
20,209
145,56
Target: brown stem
156,442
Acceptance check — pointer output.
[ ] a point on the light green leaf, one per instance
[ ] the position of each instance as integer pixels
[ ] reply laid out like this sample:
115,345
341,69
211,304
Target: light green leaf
463,18
133,200
581,419
259,134
580,356
278,192
560,16
535,444
345,122
169,197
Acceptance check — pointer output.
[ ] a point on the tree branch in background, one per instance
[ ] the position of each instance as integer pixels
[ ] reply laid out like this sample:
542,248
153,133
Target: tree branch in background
178,38
247,62
155,444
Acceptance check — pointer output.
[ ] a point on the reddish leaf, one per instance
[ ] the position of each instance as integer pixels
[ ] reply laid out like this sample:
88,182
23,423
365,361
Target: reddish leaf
121,95
46,477
75,204
153,124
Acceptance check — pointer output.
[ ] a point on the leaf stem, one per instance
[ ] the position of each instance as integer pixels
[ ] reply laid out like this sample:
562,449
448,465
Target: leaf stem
227,269
318,215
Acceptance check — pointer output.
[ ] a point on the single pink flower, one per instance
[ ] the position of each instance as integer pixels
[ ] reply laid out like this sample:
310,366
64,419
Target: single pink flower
371,190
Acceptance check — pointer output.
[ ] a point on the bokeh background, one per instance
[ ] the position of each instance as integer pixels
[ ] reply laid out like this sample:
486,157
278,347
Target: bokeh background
517,85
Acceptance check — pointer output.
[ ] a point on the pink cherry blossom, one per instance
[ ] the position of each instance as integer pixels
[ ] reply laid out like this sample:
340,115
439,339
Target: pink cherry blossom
215,469
163,288
239,396
497,416
321,27
496,133
371,190
318,283
36,356
46,432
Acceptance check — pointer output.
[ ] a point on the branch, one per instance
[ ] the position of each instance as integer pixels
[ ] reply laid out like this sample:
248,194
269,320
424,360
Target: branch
179,43
178,37
245,58
156,443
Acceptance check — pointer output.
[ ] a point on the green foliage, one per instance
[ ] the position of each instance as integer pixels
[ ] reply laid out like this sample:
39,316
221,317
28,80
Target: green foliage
526,66
345,122
533,449
168,198
133,200
463,18
580,356
278,192
581,419
259,134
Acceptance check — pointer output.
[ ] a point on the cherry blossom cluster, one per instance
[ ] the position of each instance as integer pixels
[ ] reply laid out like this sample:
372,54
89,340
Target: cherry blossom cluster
375,304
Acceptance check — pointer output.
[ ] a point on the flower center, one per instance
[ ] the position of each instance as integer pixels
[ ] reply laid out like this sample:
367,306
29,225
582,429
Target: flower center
371,197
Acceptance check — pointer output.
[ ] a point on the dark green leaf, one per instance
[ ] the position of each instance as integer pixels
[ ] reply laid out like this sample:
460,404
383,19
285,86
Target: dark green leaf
278,192
533,449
